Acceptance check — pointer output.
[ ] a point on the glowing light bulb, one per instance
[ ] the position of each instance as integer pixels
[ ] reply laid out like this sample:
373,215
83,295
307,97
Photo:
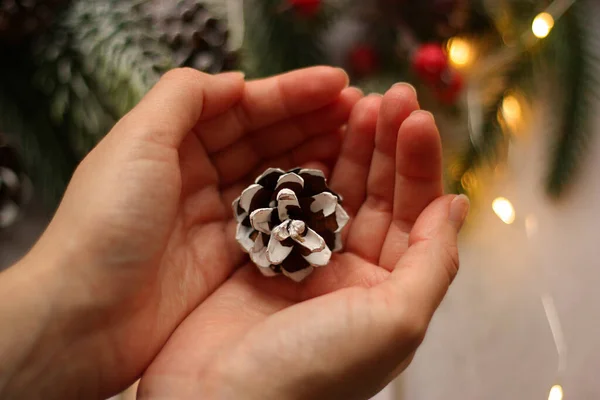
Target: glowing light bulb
512,111
556,393
460,52
542,25
504,210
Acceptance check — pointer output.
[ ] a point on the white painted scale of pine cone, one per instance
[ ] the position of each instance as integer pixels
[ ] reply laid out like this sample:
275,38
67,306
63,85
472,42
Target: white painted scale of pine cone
289,222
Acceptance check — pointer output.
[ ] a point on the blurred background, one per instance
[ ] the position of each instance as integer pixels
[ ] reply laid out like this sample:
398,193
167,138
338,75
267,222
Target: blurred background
514,87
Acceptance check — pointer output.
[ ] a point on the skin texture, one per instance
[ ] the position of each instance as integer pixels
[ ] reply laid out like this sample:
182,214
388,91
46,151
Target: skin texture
142,274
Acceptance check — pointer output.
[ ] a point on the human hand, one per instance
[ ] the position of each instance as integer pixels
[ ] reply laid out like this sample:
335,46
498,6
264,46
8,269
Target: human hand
352,326
144,233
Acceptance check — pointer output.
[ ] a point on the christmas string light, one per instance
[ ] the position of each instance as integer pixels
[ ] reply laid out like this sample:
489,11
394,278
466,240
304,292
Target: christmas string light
556,329
556,393
528,39
460,52
510,110
506,212
542,25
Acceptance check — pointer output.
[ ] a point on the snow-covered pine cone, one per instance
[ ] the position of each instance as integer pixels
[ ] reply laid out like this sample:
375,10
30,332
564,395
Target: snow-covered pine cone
290,222
197,38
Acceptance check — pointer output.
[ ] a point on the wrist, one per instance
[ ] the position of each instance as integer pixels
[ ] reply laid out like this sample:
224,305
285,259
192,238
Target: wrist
34,319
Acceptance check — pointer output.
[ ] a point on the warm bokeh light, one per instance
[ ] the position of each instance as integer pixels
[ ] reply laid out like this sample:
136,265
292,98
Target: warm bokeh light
556,393
511,107
504,210
512,111
468,181
542,25
460,52
531,225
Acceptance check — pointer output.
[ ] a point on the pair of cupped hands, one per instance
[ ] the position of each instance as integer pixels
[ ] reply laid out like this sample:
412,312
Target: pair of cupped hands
139,275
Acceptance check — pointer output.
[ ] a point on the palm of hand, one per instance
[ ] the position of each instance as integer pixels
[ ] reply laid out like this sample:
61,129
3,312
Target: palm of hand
247,323
160,239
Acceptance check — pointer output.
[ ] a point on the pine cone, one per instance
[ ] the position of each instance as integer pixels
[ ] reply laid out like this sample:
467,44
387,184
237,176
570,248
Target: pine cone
21,19
12,186
197,38
290,222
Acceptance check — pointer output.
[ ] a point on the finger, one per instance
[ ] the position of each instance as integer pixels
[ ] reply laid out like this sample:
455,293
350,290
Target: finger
422,276
178,101
319,149
373,219
352,169
418,181
319,166
245,155
268,101
418,167
288,134
391,319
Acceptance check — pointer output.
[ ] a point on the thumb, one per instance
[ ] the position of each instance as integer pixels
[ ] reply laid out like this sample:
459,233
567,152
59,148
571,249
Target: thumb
182,98
423,275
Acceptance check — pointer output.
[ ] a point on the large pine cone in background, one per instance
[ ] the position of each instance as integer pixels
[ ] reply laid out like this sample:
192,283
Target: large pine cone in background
22,19
14,186
197,38
290,222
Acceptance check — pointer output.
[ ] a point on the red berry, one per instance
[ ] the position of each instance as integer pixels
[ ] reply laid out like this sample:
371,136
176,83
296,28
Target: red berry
364,60
307,8
430,61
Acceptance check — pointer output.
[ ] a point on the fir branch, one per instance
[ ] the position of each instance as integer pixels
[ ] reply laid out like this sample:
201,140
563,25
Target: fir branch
577,62
75,107
119,49
60,101
486,151
493,139
279,40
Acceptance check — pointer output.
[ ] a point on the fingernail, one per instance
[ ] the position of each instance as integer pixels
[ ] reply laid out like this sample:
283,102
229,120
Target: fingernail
346,74
423,112
459,209
404,84
231,74
358,90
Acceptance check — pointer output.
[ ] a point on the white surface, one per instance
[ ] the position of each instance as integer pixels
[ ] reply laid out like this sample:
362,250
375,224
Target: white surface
386,394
